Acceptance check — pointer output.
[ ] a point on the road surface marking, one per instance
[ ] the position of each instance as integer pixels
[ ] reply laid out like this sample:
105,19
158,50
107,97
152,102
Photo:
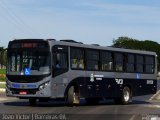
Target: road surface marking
133,117
152,106
3,99
155,95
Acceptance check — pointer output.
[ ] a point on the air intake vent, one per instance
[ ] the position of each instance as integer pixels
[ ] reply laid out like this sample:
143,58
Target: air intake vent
73,41
51,39
96,44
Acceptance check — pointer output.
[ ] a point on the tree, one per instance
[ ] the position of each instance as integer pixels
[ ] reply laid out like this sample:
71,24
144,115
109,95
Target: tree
3,56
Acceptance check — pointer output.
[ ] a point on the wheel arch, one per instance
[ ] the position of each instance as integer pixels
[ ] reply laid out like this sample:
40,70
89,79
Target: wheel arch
75,84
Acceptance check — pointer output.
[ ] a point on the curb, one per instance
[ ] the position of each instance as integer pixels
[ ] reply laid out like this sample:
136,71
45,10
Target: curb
156,96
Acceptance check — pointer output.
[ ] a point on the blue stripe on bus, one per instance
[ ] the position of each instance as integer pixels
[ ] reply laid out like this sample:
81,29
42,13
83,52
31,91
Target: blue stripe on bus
31,86
15,85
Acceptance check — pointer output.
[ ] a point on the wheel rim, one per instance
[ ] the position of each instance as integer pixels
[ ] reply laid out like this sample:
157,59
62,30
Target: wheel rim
74,97
126,95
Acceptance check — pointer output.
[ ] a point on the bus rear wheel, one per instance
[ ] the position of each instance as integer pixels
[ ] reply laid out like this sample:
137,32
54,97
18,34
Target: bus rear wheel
125,98
73,97
32,101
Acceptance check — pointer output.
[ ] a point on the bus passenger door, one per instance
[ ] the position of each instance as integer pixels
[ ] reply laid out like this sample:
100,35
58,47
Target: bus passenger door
59,70
59,60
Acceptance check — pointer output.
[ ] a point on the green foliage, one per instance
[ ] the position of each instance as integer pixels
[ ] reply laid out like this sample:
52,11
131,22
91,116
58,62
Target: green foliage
2,79
2,85
2,71
3,57
130,43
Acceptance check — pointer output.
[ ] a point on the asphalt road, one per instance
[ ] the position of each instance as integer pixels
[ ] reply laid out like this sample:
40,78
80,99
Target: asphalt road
141,108
106,109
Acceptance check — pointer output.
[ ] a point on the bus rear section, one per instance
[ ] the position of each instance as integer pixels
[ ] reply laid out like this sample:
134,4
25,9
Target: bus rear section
112,73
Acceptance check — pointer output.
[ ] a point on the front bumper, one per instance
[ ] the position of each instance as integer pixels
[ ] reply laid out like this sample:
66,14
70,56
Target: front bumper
29,92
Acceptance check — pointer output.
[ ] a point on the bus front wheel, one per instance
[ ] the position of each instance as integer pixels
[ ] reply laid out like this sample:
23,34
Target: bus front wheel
73,96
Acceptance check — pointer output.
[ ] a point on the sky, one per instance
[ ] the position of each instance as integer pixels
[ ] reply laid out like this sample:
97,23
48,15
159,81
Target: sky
87,21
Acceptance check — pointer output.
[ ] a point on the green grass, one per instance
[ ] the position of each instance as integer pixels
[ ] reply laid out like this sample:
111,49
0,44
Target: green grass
2,71
2,85
2,79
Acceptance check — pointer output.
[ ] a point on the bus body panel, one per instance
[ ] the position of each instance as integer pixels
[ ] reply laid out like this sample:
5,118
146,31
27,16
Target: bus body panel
110,85
91,84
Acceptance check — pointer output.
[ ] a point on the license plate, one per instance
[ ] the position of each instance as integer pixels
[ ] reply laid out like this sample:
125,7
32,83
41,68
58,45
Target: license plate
23,93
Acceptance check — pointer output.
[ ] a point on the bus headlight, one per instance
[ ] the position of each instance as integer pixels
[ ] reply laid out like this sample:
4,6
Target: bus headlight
42,86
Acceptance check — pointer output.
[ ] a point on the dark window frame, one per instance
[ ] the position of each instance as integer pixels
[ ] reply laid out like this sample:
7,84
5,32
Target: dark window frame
124,61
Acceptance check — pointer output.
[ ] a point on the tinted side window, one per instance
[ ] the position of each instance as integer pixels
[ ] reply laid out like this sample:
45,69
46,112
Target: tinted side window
130,63
59,60
92,60
77,58
139,63
118,58
149,64
106,61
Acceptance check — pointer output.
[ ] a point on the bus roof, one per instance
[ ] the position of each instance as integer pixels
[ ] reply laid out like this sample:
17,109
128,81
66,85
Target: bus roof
73,43
98,47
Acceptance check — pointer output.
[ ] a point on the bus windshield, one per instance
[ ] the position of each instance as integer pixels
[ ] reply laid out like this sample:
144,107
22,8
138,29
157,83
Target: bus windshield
28,62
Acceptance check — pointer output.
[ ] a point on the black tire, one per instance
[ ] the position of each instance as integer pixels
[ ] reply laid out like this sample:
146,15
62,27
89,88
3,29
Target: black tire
125,98
32,101
73,96
92,101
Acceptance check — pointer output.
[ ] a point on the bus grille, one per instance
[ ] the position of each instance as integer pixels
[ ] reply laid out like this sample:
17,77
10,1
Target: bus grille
25,79
29,91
